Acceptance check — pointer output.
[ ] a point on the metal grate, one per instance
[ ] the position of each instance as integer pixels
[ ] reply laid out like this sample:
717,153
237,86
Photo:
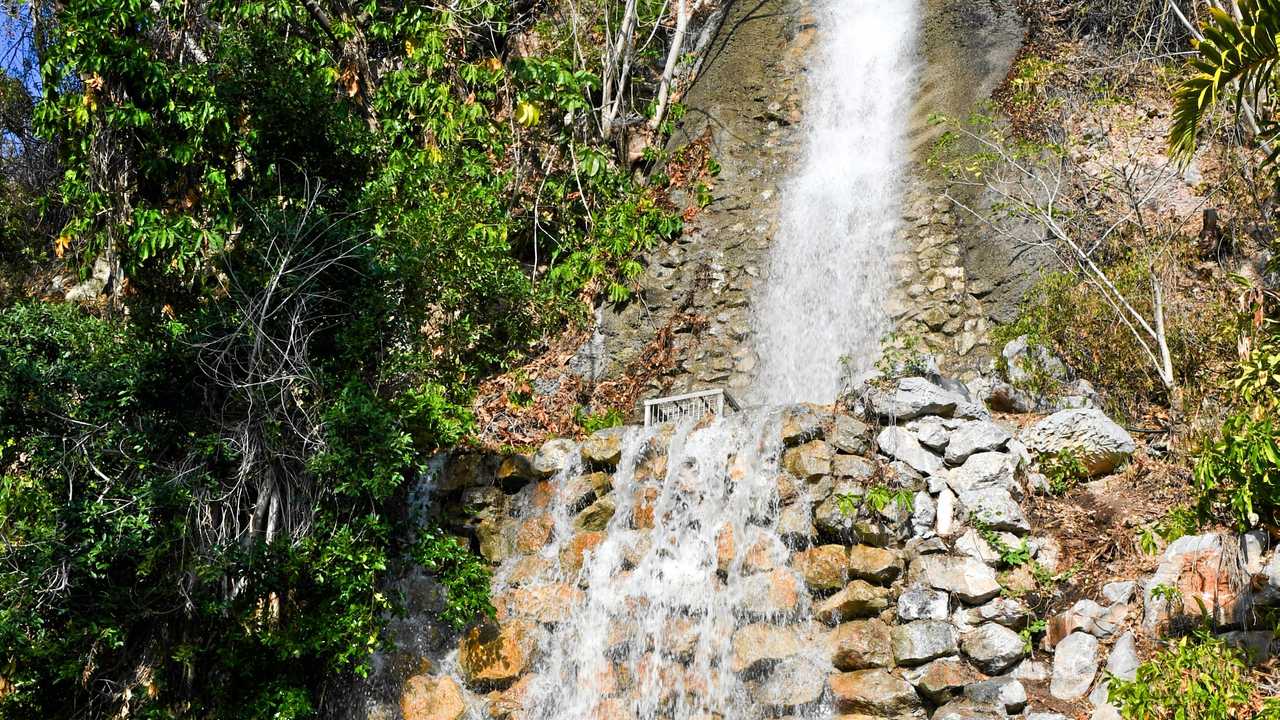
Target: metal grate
690,407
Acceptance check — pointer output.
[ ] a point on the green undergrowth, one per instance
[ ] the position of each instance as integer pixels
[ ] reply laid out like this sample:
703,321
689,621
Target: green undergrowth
1195,677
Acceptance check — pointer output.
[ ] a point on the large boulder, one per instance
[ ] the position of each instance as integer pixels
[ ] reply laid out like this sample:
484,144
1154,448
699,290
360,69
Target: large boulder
801,423
1004,692
858,599
770,594
1075,663
982,471
899,443
861,645
921,603
1024,361
994,648
432,698
971,581
911,398
850,435
942,679
604,447
809,461
764,642
493,655
1205,580
873,692
793,682
975,436
919,642
996,508
1098,442
825,567
554,456
873,564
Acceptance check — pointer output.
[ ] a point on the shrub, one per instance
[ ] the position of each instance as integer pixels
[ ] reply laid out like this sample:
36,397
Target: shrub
1239,471
1195,678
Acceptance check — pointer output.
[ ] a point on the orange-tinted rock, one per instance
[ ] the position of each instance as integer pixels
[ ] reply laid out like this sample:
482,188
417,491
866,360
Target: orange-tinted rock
547,604
534,533
874,692
861,645
571,556
493,655
824,567
642,513
725,547
763,642
858,599
510,703
432,698
528,569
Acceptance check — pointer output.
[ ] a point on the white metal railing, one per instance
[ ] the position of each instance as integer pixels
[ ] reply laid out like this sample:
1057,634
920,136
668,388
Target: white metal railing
689,407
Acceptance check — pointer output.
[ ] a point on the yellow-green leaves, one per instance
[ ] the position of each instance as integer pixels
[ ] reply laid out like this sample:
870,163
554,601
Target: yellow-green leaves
527,113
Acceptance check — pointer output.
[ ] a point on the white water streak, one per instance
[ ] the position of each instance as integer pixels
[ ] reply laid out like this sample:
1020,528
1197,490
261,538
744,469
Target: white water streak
830,269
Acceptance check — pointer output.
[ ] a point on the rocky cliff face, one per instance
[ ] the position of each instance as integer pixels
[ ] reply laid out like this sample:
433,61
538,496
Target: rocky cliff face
877,559
956,279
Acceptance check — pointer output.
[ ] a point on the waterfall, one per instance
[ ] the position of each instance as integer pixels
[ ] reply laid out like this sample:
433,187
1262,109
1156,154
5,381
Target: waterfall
688,601
693,553
822,310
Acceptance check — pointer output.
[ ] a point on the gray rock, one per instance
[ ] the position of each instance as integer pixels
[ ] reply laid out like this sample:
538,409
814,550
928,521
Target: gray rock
1120,591
1077,395
1003,397
1009,612
993,648
1099,443
1045,716
1075,664
1032,671
985,470
996,508
795,523
794,681
852,466
941,680
912,398
1024,361
966,709
921,603
1087,616
554,456
972,544
1004,692
1255,644
971,581
1123,660
931,432
975,436
944,522
800,423
850,435
920,641
899,443
604,447
924,512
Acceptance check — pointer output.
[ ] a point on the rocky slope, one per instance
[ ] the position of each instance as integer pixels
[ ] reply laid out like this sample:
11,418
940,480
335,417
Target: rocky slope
875,559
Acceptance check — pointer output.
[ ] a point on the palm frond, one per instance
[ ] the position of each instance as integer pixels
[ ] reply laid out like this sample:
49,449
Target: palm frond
1244,51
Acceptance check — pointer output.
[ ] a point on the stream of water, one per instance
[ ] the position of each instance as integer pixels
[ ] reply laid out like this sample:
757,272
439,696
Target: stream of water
687,608
822,310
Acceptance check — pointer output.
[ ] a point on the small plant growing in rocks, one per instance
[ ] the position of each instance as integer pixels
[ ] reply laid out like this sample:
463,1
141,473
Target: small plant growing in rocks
1063,469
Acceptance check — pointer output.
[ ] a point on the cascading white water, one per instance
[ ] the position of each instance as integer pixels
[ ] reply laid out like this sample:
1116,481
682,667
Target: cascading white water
830,268
691,555
700,547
